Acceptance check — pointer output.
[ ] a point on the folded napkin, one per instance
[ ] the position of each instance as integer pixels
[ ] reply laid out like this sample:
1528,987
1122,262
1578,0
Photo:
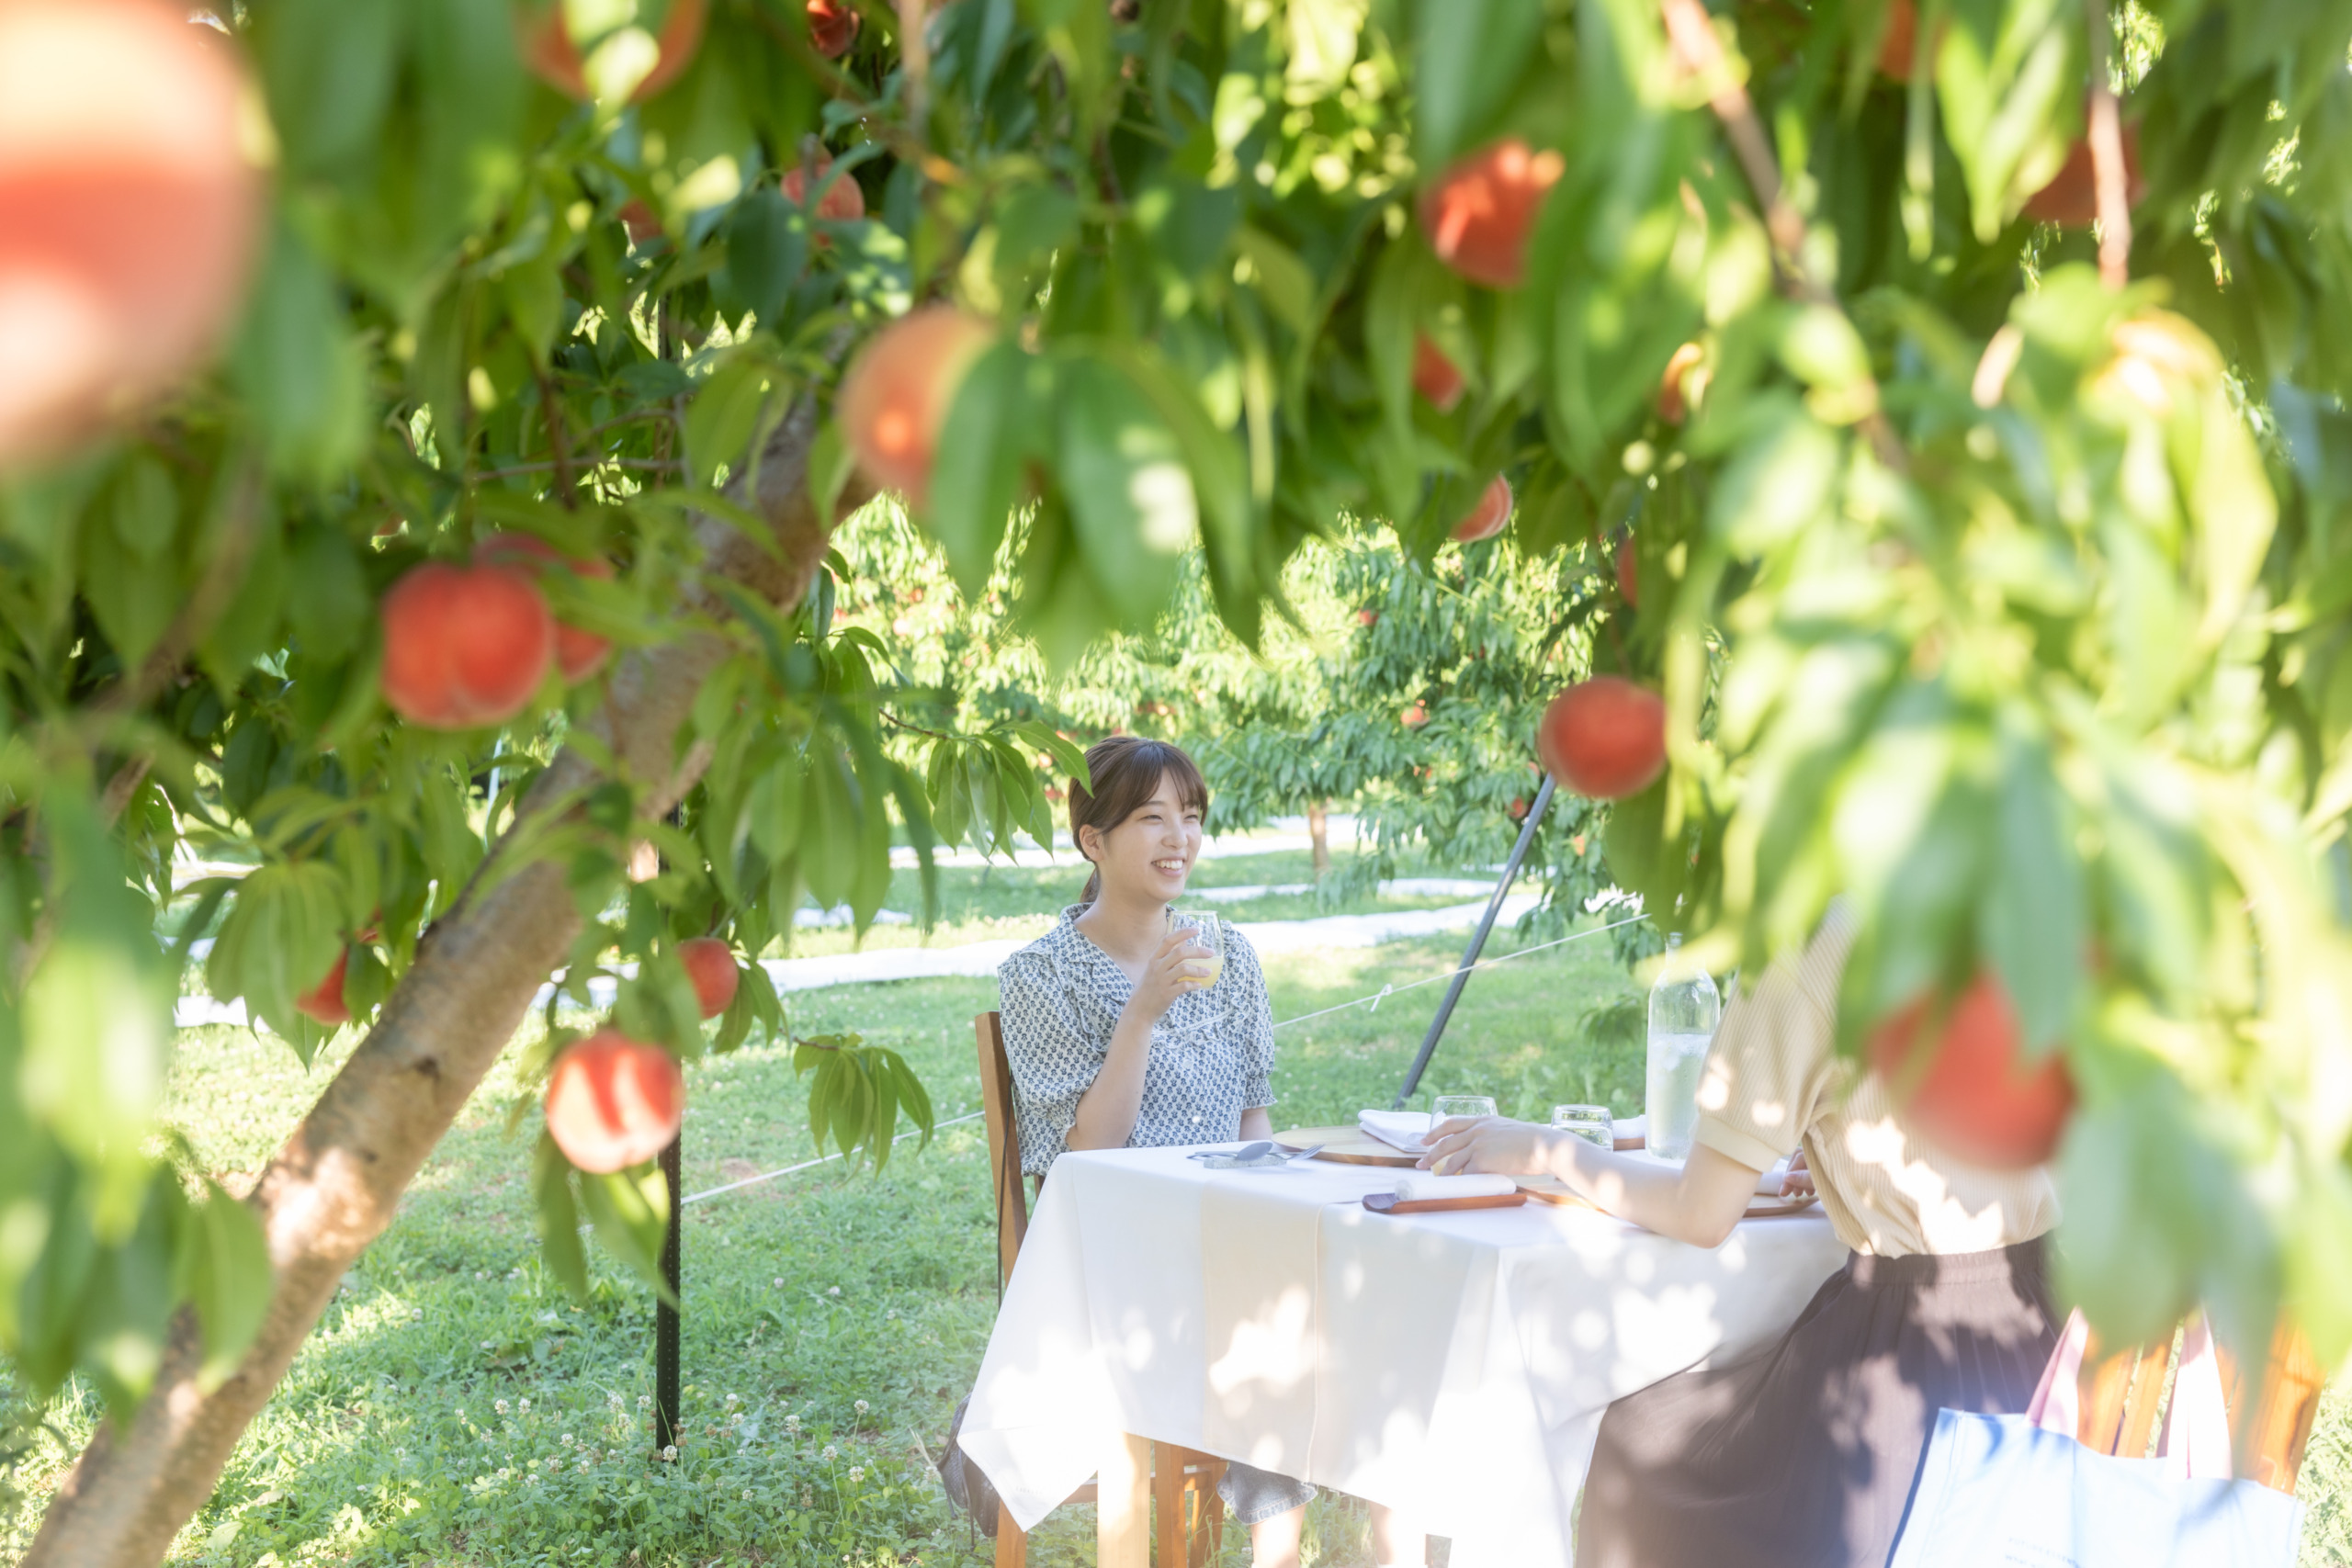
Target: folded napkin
1397,1129
1420,1187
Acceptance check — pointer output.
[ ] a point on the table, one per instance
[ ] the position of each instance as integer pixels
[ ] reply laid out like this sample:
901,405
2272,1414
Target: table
1452,1365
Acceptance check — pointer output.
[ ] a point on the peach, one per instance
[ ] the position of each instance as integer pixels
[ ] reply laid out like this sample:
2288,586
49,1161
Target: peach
1604,738
323,1003
710,965
1674,389
1490,516
131,211
464,646
1974,1096
1478,212
1435,376
1414,716
548,49
896,397
2070,197
612,1102
833,27
578,654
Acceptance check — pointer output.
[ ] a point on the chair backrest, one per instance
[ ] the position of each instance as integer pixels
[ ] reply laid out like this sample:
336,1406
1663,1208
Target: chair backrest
2270,1423
1004,1144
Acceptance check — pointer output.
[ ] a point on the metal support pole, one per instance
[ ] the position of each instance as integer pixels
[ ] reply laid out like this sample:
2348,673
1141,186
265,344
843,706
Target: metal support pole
1477,941
665,1316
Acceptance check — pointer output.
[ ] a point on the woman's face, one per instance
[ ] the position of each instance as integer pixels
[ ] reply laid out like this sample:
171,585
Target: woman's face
1150,853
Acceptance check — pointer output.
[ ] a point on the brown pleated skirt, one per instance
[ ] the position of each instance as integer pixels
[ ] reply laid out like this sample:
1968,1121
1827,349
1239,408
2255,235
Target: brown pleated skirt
1804,1454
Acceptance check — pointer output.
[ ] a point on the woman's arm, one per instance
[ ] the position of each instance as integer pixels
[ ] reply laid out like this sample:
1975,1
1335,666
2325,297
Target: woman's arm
1256,1124
1106,1111
1699,1204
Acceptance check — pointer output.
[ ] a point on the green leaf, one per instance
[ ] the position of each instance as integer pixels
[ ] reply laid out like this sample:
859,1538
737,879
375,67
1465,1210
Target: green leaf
2031,924
990,437
1468,53
2010,78
1129,491
229,1279
726,414
1783,479
296,363
559,1218
631,1212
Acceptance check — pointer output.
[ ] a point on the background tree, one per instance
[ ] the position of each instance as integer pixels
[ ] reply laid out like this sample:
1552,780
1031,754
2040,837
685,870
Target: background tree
1983,500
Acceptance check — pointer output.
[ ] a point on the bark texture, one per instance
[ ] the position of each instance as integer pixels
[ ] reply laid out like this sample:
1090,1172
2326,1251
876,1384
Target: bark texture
338,1181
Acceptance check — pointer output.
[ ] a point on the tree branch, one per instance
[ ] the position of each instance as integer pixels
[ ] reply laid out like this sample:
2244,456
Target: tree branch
2110,179
338,1181
1692,36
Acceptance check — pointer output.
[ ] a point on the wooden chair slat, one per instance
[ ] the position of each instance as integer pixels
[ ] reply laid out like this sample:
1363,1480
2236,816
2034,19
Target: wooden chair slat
2274,1428
1004,1143
2270,1419
2104,1389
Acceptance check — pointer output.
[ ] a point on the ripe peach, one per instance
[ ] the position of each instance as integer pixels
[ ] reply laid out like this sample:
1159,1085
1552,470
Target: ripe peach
640,221
1673,394
577,654
1367,617
548,49
2071,196
896,395
1974,1096
1490,516
612,1102
464,646
833,27
1604,738
1519,808
130,210
710,965
1435,376
323,1003
843,202
1477,213
1414,716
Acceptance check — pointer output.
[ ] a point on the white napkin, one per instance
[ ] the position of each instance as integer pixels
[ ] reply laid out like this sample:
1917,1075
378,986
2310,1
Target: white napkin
1633,1126
1421,1186
1398,1129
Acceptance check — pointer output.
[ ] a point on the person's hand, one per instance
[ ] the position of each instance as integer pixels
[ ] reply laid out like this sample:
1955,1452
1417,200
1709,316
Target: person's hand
1175,969
1486,1144
1797,1182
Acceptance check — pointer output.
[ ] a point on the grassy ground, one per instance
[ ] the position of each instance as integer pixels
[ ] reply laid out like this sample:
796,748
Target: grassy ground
454,1409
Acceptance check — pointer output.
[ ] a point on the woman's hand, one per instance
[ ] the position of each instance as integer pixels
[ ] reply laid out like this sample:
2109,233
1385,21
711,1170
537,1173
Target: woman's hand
1168,974
1486,1143
1797,1181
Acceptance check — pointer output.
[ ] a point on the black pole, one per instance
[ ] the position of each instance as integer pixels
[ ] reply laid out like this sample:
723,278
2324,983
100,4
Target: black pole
1477,941
665,1316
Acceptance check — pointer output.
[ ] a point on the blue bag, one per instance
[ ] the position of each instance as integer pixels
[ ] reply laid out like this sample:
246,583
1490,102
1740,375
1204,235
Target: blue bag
2019,1492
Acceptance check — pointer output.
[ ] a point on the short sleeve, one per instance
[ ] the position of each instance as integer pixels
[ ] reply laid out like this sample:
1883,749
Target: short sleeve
1252,1021
1774,1057
1053,1056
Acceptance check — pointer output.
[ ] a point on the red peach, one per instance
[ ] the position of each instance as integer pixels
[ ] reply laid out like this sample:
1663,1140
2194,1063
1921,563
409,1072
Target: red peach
464,647
1414,716
546,42
1673,400
1478,212
1435,376
2071,196
1973,1095
612,1102
323,1003
130,210
710,965
833,27
1604,738
1490,516
896,397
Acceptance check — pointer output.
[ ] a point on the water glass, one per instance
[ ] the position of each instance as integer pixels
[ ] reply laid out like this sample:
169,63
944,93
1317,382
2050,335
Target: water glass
1449,1106
1207,945
1590,1122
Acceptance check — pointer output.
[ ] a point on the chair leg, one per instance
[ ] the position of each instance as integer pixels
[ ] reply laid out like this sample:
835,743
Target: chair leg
1168,1502
1011,1544
1208,1523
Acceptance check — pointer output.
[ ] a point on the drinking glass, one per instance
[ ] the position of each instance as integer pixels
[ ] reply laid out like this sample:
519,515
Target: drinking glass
1449,1106
1590,1122
1207,945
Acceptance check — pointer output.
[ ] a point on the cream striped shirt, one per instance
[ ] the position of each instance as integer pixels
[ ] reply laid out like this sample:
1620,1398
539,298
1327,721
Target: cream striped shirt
1774,1080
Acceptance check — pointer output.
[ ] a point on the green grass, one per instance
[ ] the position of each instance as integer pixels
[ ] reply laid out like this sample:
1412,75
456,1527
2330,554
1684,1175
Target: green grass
805,1296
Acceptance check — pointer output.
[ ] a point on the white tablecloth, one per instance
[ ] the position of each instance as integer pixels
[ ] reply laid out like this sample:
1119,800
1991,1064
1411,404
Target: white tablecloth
1454,1365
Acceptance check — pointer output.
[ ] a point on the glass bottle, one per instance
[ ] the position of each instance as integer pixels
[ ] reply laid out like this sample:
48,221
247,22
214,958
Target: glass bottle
1684,1010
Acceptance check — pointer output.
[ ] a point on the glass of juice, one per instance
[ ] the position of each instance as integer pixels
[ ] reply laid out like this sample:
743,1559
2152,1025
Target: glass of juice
1207,945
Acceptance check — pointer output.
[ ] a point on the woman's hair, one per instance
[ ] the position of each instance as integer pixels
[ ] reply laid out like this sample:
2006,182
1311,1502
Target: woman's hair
1126,770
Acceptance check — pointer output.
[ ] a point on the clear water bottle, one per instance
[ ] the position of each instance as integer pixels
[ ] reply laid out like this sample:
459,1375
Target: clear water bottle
1684,1010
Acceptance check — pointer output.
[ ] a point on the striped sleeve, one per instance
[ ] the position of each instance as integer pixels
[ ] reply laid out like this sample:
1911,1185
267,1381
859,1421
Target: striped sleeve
1774,1060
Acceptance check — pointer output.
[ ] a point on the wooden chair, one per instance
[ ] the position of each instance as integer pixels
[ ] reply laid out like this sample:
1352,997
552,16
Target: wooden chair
2122,1391
1183,1482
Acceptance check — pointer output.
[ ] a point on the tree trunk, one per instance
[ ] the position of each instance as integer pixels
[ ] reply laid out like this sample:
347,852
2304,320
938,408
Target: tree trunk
338,1181
1319,835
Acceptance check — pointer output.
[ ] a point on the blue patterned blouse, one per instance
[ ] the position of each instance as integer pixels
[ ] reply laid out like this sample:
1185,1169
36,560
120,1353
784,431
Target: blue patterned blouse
1211,1052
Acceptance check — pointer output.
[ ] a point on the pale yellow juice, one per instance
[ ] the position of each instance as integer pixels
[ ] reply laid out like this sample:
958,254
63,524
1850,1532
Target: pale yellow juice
1216,963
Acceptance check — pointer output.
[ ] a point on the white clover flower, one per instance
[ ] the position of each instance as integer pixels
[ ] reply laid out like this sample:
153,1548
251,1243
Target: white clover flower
505,1472
584,1467
490,1344
890,1317
747,1494
500,1406
532,1479
616,1401
526,1406
829,1453
779,1281
856,1473
399,1453
860,1406
645,1401
733,1399
670,1454
834,1292
416,1314
792,1425
565,1439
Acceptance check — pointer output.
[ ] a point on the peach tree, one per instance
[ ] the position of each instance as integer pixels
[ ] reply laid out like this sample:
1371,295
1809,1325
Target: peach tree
1960,381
